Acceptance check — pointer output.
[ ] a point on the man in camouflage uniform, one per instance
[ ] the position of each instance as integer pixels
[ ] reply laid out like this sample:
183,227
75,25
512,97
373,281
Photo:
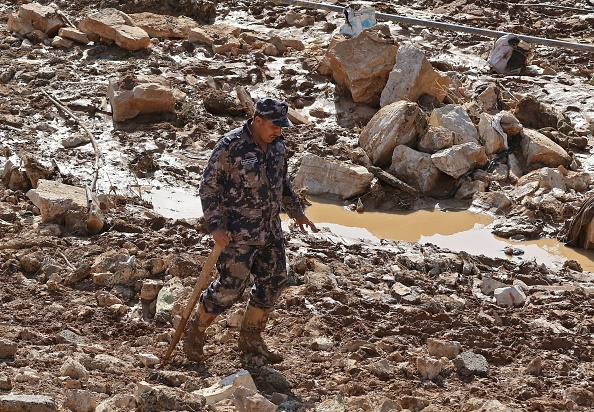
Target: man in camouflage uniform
243,188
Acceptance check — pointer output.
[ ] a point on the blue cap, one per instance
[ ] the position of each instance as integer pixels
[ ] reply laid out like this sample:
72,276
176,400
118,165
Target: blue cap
275,110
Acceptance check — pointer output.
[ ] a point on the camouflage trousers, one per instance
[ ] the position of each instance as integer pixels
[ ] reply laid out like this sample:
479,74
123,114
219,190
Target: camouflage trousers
266,263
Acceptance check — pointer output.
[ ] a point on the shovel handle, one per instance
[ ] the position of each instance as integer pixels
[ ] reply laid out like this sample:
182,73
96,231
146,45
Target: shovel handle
201,284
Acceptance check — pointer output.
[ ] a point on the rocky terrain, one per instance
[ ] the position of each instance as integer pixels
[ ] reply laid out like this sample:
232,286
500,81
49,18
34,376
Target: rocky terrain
86,317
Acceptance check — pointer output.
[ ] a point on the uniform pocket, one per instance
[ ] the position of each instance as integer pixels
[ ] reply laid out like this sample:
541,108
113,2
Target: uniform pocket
251,176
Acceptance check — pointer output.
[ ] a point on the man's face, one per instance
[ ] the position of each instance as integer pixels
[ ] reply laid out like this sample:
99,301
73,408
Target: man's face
266,130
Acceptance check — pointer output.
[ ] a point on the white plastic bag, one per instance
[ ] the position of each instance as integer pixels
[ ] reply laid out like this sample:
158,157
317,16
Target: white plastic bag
358,19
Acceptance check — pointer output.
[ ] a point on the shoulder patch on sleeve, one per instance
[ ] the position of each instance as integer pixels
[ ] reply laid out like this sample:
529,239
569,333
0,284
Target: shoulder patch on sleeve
232,135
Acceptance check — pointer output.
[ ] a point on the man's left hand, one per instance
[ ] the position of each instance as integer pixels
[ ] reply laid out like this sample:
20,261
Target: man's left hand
303,221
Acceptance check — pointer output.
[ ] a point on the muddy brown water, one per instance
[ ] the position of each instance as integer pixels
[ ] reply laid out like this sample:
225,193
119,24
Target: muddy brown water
456,230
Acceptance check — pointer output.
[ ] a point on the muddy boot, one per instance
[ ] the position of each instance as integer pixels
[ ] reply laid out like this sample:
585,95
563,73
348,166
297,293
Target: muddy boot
250,338
195,333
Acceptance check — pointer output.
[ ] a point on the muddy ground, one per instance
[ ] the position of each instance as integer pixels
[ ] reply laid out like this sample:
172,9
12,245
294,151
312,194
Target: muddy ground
350,335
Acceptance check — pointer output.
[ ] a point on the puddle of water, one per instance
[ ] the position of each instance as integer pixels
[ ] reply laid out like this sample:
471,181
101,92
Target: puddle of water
456,230
174,204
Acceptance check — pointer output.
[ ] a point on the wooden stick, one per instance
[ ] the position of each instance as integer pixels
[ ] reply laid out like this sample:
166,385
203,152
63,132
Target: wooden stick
201,284
246,100
81,124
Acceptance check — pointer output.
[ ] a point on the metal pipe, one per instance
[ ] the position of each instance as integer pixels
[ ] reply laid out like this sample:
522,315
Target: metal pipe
445,26
553,6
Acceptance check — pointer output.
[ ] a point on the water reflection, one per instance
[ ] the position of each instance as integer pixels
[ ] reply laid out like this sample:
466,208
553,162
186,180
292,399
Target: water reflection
174,204
457,230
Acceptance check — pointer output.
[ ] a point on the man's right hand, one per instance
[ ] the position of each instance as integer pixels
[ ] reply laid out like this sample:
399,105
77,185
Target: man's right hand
221,237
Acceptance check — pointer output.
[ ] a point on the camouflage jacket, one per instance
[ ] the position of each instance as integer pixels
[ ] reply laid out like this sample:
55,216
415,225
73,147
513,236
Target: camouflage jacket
243,188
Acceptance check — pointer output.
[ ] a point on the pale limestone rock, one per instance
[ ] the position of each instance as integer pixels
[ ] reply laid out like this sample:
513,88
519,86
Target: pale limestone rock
492,202
16,25
169,294
412,76
74,369
516,170
441,348
151,94
455,118
249,400
131,38
511,296
459,159
117,267
321,176
523,190
74,34
115,25
105,299
580,395
578,181
117,403
34,16
534,367
78,400
5,382
294,44
488,98
216,34
55,200
489,284
436,138
482,405
363,63
509,123
150,288
58,41
148,359
539,149
415,168
399,123
107,363
469,187
428,367
227,386
33,403
493,138
164,26
551,178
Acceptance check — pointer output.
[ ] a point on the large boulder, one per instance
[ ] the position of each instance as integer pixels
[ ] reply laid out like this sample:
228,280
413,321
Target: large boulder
322,176
112,24
496,129
27,403
459,159
415,168
399,123
363,63
436,138
131,96
69,206
534,114
34,16
455,118
412,76
540,150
